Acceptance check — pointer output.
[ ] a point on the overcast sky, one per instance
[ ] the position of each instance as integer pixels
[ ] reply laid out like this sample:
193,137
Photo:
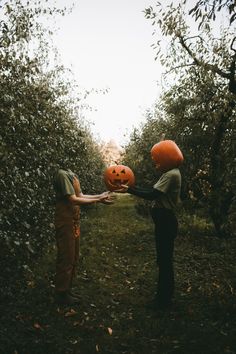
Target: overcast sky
107,43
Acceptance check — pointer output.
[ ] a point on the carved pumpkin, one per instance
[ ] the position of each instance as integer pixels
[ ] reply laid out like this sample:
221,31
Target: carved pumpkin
116,175
167,154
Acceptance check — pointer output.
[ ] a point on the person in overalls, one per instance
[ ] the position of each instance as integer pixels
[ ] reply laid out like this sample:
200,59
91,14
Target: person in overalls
69,197
165,195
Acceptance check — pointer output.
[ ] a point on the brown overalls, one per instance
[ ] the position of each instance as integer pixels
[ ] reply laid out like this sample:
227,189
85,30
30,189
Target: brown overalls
67,237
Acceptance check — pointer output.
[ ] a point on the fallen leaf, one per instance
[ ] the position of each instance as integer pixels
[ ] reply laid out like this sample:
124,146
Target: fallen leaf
109,331
70,313
76,323
189,289
31,284
74,341
37,326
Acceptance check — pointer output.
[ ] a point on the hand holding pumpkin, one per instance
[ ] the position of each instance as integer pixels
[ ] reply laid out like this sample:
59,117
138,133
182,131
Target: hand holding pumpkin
123,189
116,176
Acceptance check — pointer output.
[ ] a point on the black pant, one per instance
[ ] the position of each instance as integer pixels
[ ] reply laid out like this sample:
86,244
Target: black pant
166,228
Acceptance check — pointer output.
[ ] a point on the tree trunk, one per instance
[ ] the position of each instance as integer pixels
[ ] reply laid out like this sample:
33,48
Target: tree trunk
220,200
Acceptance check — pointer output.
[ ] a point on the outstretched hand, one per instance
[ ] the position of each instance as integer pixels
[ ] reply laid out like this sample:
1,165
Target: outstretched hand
105,194
107,198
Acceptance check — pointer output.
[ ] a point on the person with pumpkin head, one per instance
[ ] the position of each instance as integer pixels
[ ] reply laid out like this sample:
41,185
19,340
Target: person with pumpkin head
69,197
165,195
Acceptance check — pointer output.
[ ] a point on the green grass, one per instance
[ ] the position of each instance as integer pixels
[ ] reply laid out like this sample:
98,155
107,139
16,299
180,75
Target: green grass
116,277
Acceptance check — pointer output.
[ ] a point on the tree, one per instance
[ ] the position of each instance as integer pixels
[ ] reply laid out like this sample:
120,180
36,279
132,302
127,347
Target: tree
40,128
213,56
193,113
172,21
206,10
203,122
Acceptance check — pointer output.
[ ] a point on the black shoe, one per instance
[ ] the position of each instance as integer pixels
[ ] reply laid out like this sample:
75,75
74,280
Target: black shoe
64,298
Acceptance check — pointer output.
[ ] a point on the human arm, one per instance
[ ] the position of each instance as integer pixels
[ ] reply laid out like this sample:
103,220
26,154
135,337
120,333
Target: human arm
69,187
83,199
95,196
145,193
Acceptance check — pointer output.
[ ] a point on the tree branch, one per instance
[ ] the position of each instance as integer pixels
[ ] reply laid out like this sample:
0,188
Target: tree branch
232,45
201,63
232,80
177,67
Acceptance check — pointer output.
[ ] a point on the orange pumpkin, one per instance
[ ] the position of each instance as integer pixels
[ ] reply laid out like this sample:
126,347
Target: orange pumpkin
116,175
167,154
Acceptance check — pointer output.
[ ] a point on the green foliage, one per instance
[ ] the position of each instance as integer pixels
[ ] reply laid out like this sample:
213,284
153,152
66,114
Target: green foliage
198,116
211,49
40,130
203,10
197,110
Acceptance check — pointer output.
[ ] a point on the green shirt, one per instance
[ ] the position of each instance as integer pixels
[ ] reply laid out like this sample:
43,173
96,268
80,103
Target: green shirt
63,184
169,184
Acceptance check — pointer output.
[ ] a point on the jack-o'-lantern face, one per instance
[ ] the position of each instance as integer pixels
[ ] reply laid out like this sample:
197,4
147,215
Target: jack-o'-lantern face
116,175
166,155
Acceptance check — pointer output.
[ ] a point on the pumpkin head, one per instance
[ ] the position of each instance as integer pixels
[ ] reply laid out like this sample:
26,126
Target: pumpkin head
116,175
167,155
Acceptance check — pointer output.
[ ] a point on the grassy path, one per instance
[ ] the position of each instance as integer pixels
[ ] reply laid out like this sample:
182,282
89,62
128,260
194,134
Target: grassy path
116,278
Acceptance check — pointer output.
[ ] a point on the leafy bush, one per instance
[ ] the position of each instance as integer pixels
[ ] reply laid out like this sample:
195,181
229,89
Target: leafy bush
40,130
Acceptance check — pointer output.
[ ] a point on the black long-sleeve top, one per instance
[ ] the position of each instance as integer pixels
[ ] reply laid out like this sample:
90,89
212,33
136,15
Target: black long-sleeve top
145,193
